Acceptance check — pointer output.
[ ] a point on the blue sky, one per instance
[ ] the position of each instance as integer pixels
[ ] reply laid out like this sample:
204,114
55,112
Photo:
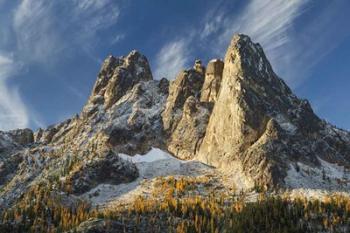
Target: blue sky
51,51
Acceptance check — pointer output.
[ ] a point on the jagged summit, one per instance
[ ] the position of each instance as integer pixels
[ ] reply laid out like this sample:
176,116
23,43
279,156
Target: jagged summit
236,115
247,120
260,123
118,75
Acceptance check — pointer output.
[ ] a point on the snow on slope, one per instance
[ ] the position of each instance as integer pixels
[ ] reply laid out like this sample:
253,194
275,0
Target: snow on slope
154,154
156,163
328,176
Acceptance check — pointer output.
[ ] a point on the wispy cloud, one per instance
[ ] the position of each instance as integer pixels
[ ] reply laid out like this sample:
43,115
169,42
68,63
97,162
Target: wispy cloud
5,66
35,31
118,38
266,21
317,38
45,32
42,34
269,22
171,58
13,113
272,23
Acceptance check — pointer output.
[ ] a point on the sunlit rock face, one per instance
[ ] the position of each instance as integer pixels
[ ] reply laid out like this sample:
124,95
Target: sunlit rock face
187,83
212,83
186,138
185,118
259,123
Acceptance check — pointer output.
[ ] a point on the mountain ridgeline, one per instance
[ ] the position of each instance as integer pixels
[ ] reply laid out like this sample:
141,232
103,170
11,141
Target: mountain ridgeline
239,115
235,115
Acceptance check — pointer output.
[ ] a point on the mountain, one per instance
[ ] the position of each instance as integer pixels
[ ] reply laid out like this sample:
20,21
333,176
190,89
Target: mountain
257,123
234,123
239,115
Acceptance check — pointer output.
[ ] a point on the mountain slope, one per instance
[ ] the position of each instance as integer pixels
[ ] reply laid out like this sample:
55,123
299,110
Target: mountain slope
233,125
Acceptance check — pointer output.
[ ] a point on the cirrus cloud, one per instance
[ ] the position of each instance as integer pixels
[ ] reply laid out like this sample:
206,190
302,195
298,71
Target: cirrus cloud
171,58
45,33
271,23
13,112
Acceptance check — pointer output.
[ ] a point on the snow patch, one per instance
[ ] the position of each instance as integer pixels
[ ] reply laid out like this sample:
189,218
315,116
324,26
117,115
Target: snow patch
261,64
153,155
333,170
285,124
328,176
139,69
214,60
156,163
312,194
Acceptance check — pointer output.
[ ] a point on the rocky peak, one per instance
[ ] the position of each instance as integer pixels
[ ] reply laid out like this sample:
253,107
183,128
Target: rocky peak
185,118
247,54
187,136
116,77
255,115
106,72
241,100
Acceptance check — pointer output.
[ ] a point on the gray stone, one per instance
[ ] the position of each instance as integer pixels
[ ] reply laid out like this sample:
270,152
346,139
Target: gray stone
22,136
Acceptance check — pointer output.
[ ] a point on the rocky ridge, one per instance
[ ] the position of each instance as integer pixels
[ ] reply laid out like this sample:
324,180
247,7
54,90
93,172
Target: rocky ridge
236,115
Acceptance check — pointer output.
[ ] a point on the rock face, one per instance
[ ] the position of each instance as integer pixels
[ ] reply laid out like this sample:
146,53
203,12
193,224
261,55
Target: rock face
187,83
185,140
109,168
54,133
22,136
11,143
138,123
118,76
185,117
258,123
212,83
